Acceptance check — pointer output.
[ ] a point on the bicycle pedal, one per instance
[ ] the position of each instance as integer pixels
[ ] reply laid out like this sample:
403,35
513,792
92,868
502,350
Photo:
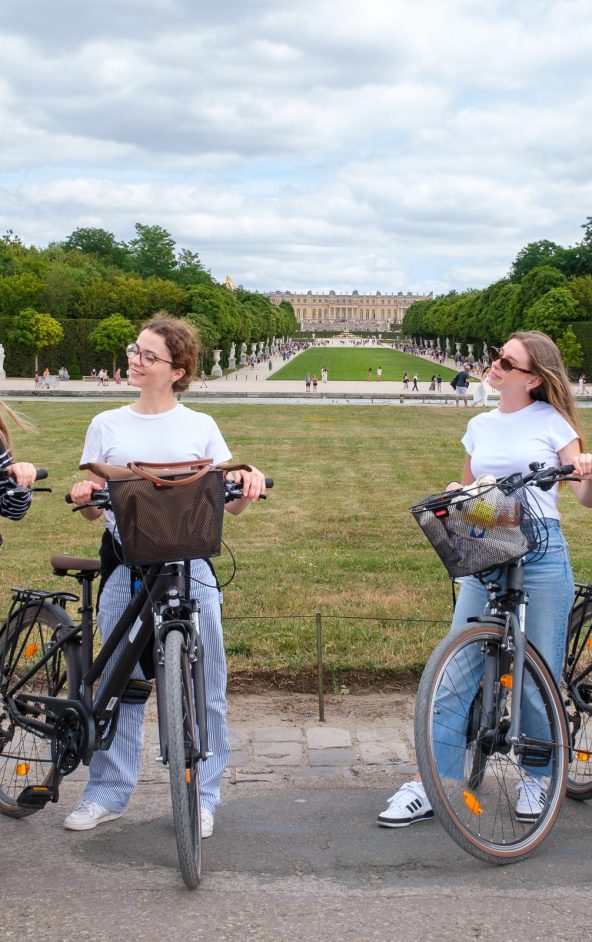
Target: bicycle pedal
536,756
35,796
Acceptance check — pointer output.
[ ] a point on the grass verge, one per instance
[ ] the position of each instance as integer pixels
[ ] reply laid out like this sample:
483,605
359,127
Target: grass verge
335,535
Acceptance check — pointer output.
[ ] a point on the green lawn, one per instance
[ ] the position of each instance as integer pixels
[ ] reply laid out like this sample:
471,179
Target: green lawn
335,534
352,363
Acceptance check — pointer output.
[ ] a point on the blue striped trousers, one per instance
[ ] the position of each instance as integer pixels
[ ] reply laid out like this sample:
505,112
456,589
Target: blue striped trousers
114,773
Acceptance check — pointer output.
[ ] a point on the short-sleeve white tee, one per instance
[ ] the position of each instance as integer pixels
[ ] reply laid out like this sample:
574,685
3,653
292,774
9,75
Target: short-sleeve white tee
180,434
501,443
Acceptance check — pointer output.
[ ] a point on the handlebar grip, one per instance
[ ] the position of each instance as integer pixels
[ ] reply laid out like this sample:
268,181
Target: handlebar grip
268,483
42,474
566,469
68,499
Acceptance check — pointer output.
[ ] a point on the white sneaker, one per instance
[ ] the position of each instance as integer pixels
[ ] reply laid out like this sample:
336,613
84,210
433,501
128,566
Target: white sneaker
531,799
207,823
88,815
408,805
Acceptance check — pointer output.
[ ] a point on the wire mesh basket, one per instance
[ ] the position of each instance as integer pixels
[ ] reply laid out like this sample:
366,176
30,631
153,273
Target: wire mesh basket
160,523
479,528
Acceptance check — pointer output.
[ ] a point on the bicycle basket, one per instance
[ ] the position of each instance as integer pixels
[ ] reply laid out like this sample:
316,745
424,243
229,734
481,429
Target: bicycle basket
476,529
167,519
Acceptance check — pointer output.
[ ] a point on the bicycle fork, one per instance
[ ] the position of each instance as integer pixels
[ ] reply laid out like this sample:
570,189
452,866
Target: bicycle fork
163,623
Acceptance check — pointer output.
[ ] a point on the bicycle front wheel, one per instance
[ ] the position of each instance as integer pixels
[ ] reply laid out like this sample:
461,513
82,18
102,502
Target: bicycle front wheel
25,756
577,690
472,777
183,756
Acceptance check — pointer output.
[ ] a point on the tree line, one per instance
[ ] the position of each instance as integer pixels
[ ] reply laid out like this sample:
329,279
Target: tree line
74,300
548,288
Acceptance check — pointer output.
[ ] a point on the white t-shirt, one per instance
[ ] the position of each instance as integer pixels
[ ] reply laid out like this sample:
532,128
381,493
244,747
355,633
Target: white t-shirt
122,435
501,443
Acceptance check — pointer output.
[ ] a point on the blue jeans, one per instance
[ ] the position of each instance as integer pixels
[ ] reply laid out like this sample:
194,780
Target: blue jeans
549,582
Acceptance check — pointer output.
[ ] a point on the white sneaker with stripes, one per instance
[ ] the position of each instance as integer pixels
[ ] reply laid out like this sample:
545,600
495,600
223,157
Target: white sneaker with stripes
408,805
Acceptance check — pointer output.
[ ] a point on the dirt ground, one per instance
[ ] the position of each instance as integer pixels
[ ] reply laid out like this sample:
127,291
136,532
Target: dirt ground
272,707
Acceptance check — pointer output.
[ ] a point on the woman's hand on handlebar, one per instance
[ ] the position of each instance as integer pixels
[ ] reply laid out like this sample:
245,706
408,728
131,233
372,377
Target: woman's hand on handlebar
82,493
253,487
23,473
582,465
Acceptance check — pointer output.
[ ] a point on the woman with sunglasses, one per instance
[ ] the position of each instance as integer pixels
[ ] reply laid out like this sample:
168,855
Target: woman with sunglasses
536,421
156,428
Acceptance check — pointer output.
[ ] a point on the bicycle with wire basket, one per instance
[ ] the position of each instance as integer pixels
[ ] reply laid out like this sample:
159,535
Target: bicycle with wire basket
490,721
51,720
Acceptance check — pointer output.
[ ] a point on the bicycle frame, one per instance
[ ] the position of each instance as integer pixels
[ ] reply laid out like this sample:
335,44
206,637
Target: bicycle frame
508,607
160,605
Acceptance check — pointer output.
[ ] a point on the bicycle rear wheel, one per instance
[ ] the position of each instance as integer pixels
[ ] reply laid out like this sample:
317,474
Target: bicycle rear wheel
577,691
25,756
470,774
183,756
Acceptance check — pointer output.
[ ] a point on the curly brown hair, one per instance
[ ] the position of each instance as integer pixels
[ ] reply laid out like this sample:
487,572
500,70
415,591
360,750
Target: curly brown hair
182,344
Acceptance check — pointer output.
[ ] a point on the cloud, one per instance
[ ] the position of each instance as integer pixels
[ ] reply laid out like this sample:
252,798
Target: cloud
321,144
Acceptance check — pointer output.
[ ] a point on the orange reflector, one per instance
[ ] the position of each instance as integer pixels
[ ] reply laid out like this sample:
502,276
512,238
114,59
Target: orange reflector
472,803
584,756
589,643
31,650
188,776
22,768
506,681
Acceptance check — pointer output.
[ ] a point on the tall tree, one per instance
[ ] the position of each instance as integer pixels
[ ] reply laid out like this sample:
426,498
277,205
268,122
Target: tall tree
98,242
190,271
112,335
35,330
533,255
152,252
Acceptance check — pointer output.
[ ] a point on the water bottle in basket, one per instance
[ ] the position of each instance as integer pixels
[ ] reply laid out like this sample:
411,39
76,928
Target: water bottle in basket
483,505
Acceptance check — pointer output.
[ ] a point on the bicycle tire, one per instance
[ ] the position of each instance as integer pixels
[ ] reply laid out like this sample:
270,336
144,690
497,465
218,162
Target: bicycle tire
182,757
483,820
577,692
25,758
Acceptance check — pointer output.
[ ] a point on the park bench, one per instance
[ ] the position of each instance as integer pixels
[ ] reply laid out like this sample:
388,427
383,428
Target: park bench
47,382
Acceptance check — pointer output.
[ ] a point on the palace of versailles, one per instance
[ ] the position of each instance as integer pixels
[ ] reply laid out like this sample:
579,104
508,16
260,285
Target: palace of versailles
328,311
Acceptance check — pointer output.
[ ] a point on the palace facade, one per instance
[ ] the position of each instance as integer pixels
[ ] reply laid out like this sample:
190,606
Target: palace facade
335,311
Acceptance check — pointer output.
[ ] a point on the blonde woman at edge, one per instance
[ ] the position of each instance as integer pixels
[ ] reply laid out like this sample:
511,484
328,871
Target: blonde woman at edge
536,421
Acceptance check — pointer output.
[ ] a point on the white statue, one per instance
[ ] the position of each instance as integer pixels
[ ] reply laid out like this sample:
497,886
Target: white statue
2,373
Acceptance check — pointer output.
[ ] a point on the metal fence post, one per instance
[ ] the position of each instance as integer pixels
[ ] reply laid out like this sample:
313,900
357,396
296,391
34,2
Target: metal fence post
321,681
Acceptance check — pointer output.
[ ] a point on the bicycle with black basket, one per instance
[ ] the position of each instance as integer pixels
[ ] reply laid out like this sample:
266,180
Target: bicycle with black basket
489,712
51,720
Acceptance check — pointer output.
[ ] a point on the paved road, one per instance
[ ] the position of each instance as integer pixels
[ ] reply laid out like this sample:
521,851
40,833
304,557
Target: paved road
295,854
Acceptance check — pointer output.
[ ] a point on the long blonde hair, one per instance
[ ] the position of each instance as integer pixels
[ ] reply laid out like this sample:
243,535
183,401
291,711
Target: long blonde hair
546,363
20,420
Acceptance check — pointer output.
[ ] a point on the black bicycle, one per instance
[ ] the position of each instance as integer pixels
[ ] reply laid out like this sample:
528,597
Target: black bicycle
50,718
491,723
576,688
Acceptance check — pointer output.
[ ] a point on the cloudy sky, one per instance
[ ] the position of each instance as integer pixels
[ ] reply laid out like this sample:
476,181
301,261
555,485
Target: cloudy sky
372,144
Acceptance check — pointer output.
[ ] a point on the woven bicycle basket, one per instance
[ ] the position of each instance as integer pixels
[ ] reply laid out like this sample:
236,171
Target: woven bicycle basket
175,517
477,529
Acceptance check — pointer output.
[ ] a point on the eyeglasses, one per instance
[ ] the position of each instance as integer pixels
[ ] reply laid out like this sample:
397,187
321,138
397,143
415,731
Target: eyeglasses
146,357
506,365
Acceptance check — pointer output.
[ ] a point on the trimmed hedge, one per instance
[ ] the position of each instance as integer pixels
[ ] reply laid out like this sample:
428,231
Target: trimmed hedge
74,351
583,332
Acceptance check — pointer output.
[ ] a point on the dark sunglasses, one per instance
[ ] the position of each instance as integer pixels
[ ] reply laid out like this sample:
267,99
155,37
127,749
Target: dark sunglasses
506,365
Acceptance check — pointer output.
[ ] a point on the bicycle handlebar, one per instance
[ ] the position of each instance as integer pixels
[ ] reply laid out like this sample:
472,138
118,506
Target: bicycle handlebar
542,477
42,473
15,488
101,499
